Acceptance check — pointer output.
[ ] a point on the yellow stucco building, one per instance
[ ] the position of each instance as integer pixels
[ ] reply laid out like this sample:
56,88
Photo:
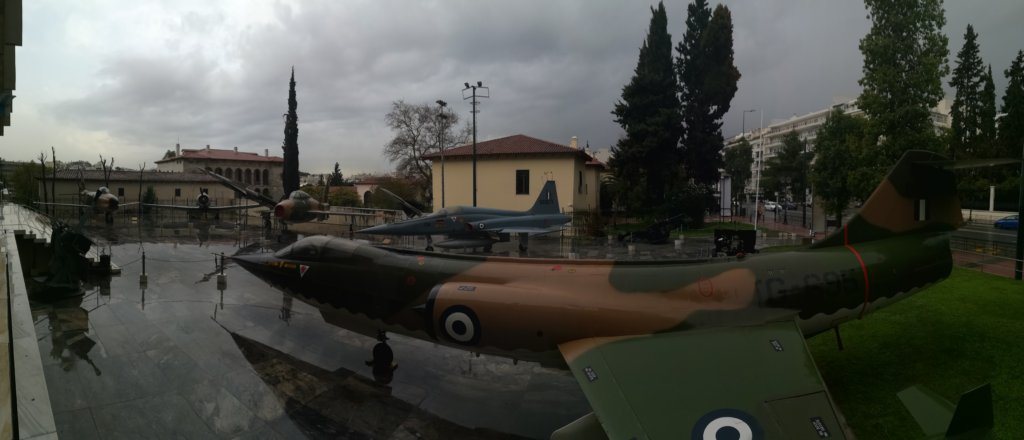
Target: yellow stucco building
512,170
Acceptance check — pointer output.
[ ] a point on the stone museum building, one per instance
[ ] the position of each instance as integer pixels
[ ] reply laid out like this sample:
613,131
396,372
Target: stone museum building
260,172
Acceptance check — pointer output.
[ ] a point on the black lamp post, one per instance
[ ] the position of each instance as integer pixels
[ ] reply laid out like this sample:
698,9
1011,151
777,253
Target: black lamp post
440,140
473,95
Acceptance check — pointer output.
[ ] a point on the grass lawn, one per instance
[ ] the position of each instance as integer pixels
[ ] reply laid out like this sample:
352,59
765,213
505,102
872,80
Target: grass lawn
958,334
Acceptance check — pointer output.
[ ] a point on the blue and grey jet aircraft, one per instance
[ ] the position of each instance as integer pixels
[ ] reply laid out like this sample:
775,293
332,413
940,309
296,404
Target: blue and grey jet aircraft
470,226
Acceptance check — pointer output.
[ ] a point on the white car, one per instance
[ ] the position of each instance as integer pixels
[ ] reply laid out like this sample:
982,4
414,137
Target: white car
771,206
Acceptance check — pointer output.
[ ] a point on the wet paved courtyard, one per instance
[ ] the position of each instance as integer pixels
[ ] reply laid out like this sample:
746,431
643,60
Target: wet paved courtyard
181,358
178,357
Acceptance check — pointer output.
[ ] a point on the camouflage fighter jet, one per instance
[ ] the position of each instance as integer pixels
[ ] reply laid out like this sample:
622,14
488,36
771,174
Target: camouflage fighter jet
298,207
202,205
470,227
100,201
705,349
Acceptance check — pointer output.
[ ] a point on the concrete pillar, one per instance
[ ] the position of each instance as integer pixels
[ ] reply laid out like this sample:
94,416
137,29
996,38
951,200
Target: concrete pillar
991,198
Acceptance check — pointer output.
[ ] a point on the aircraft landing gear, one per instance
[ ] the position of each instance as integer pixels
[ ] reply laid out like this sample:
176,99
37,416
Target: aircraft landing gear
108,218
430,244
383,361
524,241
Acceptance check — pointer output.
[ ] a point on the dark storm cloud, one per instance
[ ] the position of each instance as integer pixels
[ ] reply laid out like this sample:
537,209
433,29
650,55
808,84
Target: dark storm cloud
555,70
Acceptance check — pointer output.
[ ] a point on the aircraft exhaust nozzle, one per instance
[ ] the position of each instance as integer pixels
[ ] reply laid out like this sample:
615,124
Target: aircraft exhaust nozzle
279,211
113,204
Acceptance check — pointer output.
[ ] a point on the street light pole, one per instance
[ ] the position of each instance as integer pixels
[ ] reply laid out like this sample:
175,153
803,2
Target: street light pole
474,102
757,182
440,141
743,129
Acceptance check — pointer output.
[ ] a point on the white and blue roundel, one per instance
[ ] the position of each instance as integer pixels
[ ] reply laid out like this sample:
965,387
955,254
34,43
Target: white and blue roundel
459,324
727,424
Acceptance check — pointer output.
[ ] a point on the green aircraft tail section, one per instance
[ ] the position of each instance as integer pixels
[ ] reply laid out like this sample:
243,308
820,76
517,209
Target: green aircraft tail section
918,194
971,418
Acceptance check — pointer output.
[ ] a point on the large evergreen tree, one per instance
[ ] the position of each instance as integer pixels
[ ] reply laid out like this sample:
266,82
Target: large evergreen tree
736,163
987,117
905,59
787,172
290,173
707,83
967,82
646,156
836,148
1011,125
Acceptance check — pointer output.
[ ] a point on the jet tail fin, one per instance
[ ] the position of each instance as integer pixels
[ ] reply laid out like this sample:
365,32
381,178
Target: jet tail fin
547,201
919,193
970,418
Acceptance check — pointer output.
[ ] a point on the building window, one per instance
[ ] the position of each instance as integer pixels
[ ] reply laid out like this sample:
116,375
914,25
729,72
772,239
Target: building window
522,181
219,171
177,192
228,172
579,183
120,192
266,177
256,176
248,175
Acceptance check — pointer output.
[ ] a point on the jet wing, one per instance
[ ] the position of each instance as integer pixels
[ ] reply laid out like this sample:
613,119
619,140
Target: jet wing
246,192
77,205
181,207
353,214
527,230
734,382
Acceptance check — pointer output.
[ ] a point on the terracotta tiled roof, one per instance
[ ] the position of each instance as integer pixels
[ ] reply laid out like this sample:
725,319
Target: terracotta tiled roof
594,162
218,154
515,144
133,176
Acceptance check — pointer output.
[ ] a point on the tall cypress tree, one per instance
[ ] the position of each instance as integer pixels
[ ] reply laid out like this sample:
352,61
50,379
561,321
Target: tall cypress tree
290,173
987,117
707,83
967,104
905,59
1011,125
645,160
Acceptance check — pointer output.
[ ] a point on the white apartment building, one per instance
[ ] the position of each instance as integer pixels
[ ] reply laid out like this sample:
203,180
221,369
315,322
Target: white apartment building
767,142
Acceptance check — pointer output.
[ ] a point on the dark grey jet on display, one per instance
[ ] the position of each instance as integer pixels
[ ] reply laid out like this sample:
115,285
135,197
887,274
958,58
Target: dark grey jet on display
469,227
203,204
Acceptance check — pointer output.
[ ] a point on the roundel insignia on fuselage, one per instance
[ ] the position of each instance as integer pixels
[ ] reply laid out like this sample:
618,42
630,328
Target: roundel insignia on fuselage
459,324
727,424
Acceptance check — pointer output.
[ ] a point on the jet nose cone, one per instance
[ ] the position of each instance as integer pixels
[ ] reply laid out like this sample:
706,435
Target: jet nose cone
113,204
379,229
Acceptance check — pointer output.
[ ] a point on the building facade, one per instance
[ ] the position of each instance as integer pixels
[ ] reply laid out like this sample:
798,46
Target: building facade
261,173
170,187
511,172
767,141
10,36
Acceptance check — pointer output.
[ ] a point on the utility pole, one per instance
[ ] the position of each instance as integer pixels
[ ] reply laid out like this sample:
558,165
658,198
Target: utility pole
1018,269
443,118
757,183
474,102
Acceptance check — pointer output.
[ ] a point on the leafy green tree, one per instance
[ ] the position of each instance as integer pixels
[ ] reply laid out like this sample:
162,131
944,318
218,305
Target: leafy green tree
836,149
149,197
737,161
416,129
290,173
967,81
1011,125
23,182
707,83
905,59
789,169
336,178
648,111
344,196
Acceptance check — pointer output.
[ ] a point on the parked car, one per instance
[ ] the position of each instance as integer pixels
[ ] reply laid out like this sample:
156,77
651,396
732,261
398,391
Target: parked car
1008,222
771,206
788,206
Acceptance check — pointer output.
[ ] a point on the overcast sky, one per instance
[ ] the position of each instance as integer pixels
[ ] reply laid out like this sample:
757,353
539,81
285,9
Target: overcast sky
129,79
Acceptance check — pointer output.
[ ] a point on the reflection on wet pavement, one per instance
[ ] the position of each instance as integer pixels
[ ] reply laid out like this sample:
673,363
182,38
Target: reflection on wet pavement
182,358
